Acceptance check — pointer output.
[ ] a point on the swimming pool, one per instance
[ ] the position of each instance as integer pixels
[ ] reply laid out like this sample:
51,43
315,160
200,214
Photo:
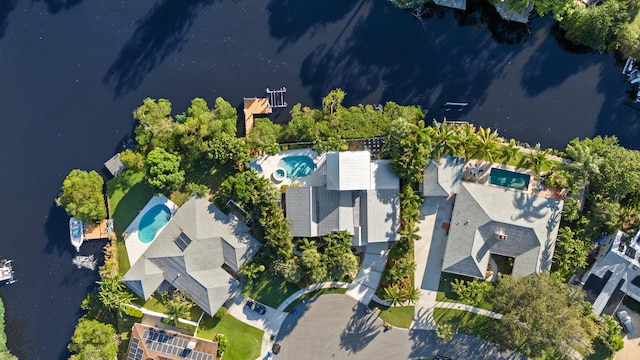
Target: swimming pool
154,219
509,179
297,166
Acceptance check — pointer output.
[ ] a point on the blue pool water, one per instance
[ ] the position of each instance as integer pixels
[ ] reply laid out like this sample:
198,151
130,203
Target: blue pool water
509,179
297,166
157,217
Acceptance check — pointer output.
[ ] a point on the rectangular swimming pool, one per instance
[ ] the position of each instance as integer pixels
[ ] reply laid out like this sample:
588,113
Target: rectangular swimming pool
509,179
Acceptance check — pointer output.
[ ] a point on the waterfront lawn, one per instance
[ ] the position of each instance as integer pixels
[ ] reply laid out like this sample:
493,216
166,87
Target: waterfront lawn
124,330
311,296
245,340
398,316
469,323
128,194
271,290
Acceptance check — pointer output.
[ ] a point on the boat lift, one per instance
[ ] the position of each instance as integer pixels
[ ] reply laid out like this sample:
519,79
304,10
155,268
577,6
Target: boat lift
276,97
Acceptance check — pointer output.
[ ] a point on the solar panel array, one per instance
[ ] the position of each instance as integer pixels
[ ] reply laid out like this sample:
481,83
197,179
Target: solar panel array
135,352
182,241
172,345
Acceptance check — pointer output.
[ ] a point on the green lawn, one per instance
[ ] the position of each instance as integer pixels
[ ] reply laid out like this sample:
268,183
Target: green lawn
398,316
271,290
128,194
313,295
245,340
473,324
445,293
124,330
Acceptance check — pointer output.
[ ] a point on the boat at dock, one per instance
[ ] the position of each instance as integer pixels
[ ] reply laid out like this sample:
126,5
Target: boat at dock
6,272
76,232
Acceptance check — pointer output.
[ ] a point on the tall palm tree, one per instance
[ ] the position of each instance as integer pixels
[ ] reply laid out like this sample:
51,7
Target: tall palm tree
465,140
393,294
537,159
509,150
487,144
584,162
177,307
412,294
444,139
113,294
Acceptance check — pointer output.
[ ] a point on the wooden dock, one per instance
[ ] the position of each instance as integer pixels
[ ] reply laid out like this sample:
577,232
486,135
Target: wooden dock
98,230
253,106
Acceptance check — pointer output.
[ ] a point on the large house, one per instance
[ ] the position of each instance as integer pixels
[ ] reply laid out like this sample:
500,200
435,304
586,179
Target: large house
492,227
198,252
614,274
360,196
150,343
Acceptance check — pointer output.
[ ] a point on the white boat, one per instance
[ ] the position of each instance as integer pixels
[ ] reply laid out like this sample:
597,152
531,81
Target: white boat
6,272
76,232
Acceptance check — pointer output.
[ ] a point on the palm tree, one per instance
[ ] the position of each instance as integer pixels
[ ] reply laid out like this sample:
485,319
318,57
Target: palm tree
444,140
394,294
177,307
584,161
113,295
509,150
445,331
487,144
465,140
537,159
412,295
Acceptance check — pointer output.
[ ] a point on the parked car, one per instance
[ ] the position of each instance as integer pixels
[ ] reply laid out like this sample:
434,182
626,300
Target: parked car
256,306
625,320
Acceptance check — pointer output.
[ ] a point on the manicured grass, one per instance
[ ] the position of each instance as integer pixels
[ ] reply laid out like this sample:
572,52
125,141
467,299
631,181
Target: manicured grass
313,295
128,194
602,353
445,293
398,316
212,178
123,257
245,340
473,324
271,290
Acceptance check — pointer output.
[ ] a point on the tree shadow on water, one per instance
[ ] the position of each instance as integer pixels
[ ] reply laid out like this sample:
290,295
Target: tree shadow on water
289,20
56,229
6,7
480,13
360,331
55,6
160,33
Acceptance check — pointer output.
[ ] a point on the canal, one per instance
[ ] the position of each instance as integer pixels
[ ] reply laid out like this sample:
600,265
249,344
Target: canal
72,72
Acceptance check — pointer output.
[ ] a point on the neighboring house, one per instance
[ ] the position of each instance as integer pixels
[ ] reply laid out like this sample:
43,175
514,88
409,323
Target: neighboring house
442,178
149,343
198,252
491,224
615,274
360,196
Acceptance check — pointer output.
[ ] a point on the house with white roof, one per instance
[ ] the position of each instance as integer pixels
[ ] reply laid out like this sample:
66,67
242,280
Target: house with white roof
360,196
198,252
615,274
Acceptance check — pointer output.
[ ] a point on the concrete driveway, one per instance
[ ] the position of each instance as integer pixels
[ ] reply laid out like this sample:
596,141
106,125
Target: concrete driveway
631,350
335,326
428,254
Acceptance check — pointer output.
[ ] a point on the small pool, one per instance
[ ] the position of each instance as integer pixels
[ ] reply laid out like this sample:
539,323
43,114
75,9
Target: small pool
154,219
297,166
509,179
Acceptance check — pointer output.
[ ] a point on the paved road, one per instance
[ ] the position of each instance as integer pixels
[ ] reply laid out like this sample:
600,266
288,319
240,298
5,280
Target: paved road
335,326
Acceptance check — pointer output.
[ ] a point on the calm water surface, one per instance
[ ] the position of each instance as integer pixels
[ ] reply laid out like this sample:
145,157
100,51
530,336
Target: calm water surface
72,71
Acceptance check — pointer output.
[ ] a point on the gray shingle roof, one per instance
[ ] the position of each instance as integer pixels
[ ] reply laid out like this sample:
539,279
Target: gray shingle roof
216,239
480,213
442,178
456,4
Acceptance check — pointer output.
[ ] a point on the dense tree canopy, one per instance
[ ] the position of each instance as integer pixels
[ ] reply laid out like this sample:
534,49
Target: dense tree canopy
163,170
4,352
598,27
82,196
541,315
93,340
263,138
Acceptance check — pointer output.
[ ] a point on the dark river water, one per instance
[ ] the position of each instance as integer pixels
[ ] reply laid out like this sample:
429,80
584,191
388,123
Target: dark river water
72,72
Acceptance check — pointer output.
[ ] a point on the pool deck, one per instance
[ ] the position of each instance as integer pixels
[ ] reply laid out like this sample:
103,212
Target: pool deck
478,171
267,164
135,247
